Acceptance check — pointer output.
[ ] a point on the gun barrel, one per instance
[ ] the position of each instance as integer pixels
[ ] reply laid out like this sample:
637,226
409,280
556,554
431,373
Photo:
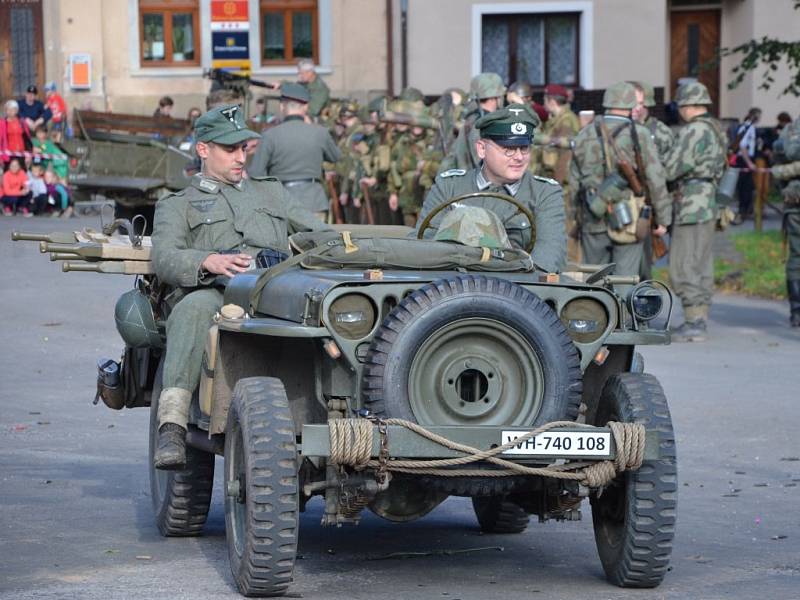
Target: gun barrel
82,250
54,256
80,266
62,237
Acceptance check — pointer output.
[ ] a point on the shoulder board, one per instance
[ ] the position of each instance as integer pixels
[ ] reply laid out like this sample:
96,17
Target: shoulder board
453,173
263,178
546,180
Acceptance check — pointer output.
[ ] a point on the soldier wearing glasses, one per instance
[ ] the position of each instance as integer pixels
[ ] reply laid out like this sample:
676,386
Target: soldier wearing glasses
504,149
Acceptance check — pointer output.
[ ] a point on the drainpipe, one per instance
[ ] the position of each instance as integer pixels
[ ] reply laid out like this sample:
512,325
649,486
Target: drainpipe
389,48
404,42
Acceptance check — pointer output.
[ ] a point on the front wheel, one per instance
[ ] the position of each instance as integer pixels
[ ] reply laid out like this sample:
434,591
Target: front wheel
634,515
261,487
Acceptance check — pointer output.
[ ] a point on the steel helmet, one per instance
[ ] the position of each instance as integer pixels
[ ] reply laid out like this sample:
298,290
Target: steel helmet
135,321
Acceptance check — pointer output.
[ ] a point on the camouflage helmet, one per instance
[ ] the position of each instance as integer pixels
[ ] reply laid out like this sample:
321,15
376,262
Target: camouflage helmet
412,94
648,92
690,94
487,85
349,108
133,316
620,95
473,226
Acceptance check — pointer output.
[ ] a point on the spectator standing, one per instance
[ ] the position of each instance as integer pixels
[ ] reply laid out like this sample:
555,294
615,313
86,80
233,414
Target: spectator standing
745,160
14,132
164,109
317,89
31,109
55,105
42,144
15,189
37,186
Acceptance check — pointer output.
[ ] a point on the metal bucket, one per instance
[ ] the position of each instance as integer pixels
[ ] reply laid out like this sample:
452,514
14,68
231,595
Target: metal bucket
726,190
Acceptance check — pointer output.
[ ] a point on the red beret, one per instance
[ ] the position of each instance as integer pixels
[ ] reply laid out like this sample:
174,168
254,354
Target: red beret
555,90
541,111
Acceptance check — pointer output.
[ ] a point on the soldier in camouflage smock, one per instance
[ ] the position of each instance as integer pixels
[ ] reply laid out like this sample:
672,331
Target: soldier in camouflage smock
213,229
486,96
346,168
504,147
659,131
789,172
694,166
554,150
597,186
413,167
663,139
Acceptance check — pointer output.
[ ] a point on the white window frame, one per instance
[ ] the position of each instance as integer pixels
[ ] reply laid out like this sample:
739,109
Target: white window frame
586,30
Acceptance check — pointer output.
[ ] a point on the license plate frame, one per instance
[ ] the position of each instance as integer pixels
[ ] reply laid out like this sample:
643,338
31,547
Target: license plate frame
588,444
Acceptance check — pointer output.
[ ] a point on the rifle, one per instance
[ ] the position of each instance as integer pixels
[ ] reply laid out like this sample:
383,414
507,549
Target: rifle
335,208
659,245
368,204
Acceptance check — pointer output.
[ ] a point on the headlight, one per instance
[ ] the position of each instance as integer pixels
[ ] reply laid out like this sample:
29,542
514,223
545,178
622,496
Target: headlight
646,301
352,316
585,319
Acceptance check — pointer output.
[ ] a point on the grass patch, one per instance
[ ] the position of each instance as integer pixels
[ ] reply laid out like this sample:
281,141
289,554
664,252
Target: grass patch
760,272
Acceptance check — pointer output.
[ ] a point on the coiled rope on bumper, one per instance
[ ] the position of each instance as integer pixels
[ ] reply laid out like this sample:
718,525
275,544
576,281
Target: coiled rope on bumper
351,442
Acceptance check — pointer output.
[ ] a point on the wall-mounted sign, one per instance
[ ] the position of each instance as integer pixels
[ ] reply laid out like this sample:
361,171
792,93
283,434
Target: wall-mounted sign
80,71
230,34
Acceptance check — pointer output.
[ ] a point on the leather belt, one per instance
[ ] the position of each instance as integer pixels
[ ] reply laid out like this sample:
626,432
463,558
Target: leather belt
292,182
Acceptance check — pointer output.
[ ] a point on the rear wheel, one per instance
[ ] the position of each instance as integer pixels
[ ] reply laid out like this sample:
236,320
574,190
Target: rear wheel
261,487
498,515
180,498
634,516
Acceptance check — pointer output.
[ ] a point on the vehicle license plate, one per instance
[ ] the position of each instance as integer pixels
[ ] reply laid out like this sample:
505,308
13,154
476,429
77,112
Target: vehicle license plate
561,443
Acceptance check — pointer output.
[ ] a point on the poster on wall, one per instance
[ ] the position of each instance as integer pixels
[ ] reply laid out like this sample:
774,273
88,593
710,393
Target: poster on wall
80,71
230,35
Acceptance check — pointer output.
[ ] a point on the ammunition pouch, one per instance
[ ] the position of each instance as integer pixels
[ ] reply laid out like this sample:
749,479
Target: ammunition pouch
549,158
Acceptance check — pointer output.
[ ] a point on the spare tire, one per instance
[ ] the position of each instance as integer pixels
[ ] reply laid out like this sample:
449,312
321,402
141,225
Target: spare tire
473,350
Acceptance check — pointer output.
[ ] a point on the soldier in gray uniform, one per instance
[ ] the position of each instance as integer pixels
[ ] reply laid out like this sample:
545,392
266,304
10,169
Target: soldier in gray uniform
210,231
503,147
295,150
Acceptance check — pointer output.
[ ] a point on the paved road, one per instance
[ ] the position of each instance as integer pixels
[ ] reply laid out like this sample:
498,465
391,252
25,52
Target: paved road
75,518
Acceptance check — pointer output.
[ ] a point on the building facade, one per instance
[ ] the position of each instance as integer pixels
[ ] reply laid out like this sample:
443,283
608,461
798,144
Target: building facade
122,55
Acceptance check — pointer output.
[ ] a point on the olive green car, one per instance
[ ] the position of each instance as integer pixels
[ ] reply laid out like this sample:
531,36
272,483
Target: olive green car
365,328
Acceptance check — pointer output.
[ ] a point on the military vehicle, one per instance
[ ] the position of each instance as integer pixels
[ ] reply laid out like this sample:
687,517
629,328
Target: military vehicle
132,160
386,373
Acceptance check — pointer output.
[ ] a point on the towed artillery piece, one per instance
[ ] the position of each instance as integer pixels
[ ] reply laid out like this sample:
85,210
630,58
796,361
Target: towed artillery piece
386,373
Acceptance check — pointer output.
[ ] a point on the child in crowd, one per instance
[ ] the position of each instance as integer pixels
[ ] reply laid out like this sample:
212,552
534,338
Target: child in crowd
58,195
43,145
16,194
58,110
37,186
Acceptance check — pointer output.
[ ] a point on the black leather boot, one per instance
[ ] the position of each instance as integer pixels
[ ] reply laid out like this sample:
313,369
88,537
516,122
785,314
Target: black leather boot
170,454
793,286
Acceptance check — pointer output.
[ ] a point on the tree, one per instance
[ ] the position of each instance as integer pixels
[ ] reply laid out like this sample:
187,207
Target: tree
769,53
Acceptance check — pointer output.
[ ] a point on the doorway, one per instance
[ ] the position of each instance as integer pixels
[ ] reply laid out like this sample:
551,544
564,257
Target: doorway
21,47
694,40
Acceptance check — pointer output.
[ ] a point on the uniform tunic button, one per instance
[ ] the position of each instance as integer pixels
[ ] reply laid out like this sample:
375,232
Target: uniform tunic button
208,220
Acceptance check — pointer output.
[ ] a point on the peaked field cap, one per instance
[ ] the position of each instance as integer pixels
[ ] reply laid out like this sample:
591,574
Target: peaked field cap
295,92
223,125
510,126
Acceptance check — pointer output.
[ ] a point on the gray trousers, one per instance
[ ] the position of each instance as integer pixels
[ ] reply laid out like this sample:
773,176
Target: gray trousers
792,225
599,249
691,263
187,330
